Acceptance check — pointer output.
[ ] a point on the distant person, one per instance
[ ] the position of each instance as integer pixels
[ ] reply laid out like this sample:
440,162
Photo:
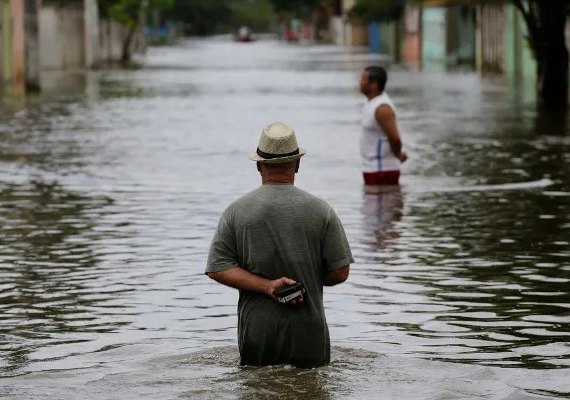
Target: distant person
244,34
380,143
272,237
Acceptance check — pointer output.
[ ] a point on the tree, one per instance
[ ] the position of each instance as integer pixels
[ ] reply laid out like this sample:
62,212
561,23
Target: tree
377,10
545,21
201,17
256,14
128,13
298,8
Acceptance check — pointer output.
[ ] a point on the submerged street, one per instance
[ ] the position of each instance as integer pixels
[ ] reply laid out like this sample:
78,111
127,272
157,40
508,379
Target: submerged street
112,183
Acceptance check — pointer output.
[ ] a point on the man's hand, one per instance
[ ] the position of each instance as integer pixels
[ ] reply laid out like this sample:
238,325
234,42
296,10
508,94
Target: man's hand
241,279
278,284
403,156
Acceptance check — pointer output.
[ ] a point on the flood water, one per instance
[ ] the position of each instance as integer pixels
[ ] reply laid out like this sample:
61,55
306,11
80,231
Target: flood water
112,182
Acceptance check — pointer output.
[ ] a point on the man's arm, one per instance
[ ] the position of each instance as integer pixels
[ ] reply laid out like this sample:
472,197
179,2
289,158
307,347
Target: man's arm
242,279
386,119
337,276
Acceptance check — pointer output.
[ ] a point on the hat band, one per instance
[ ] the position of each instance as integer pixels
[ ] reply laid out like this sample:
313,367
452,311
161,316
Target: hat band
269,156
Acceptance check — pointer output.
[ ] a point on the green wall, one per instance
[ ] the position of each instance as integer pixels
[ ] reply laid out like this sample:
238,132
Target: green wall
388,39
433,37
519,60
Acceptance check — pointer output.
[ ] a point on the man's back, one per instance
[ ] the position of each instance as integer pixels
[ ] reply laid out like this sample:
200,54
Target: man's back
279,230
375,151
273,237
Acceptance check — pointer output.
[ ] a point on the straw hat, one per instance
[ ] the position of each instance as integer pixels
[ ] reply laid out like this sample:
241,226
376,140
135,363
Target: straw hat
277,145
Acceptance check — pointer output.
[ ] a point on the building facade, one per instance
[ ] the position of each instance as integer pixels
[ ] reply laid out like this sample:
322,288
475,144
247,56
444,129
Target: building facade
488,36
38,35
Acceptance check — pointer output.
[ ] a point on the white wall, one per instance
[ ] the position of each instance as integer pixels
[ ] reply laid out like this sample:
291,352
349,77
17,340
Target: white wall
73,36
337,30
61,37
111,36
91,32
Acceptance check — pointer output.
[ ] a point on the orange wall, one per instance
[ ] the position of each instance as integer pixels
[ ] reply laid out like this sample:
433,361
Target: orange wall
412,37
18,49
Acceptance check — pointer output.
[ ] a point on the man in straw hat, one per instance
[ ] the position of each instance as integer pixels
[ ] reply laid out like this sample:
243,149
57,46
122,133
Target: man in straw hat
273,237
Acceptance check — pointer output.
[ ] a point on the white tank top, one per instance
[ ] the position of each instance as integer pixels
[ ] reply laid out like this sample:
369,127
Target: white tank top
375,151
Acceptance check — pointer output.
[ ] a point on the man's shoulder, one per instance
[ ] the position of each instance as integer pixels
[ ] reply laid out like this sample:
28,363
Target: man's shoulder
245,198
295,195
309,196
313,202
384,101
384,110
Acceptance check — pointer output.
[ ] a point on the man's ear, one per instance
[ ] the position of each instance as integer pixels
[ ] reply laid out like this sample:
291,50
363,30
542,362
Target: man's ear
258,166
297,165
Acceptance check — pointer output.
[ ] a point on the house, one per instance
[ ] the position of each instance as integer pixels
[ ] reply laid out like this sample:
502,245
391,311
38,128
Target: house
488,36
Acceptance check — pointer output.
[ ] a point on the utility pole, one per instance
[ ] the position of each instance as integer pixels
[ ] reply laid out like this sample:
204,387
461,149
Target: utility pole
24,71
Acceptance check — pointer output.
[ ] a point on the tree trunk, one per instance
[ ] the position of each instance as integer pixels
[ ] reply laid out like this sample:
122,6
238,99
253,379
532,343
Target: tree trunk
126,51
552,55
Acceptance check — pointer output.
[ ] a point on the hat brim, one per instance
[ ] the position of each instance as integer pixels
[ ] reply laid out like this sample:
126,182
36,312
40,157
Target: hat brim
253,156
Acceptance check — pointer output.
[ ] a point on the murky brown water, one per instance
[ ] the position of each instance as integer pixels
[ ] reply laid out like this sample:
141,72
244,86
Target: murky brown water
111,185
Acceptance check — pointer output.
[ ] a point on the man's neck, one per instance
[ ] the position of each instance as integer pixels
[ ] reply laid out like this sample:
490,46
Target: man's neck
373,94
278,178
279,182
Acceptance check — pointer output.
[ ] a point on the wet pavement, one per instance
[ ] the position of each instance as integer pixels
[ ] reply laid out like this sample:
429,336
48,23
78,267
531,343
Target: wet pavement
112,182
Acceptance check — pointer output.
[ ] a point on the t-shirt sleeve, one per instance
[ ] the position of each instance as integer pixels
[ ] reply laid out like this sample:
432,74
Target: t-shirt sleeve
223,254
336,250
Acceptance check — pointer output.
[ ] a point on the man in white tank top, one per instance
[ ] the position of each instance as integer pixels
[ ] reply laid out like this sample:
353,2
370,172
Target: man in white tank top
380,144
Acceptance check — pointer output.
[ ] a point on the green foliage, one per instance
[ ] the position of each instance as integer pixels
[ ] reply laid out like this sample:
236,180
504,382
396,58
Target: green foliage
127,12
204,17
201,17
377,10
62,2
253,13
298,8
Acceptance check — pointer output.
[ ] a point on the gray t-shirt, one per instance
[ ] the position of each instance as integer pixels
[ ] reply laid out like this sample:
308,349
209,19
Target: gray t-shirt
274,231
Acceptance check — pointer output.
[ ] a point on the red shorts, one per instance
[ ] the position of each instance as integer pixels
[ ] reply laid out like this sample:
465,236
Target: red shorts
381,178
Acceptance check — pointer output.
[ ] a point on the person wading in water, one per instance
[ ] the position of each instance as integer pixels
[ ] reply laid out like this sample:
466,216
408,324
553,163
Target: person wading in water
380,144
273,237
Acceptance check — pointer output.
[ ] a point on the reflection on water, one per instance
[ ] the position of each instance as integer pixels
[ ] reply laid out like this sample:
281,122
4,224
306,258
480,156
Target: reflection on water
49,267
381,209
111,187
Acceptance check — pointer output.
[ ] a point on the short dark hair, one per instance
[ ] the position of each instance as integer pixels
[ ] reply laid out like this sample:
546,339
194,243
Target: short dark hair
377,74
287,166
